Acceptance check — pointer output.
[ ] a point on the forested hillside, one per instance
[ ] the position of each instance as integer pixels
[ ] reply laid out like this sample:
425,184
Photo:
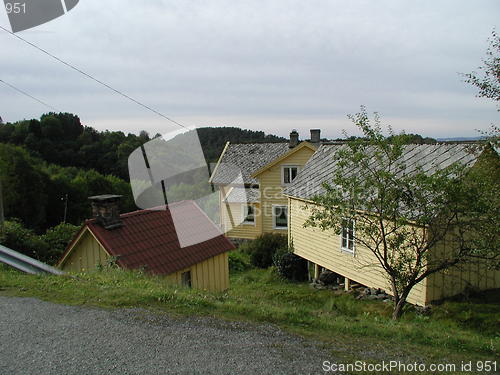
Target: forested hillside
61,139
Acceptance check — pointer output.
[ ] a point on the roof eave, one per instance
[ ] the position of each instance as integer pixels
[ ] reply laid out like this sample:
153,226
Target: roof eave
210,180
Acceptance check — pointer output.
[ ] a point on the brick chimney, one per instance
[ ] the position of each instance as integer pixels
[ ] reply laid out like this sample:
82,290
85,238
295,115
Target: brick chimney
315,135
106,210
294,139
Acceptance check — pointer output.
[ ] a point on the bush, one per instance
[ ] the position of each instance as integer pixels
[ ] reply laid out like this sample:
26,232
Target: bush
57,239
290,266
46,248
18,238
263,248
239,261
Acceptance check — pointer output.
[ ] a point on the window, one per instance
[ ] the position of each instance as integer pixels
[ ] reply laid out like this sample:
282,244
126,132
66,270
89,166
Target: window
248,214
186,279
289,173
280,217
347,236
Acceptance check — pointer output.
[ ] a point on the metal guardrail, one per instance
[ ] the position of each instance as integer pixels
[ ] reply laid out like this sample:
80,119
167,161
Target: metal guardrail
24,263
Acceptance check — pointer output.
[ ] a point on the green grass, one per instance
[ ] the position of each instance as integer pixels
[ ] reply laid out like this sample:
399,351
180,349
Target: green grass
350,328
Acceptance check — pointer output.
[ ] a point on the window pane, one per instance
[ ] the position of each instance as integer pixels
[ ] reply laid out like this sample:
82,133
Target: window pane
286,175
344,242
294,173
347,235
280,217
351,244
249,214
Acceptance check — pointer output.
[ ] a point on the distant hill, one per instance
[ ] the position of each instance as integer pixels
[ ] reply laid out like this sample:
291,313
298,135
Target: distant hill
459,139
61,139
213,140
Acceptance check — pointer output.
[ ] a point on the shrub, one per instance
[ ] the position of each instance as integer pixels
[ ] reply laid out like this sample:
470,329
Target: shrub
263,248
18,238
239,261
46,248
290,266
57,238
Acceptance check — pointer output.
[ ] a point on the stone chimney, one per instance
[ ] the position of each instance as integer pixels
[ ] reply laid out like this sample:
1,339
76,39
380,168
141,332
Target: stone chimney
294,139
315,135
106,210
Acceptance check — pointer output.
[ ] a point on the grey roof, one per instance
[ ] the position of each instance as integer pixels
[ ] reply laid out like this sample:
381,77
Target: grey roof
247,158
321,166
238,195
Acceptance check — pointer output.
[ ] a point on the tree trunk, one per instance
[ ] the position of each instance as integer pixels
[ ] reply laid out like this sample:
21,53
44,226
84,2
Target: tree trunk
398,309
399,304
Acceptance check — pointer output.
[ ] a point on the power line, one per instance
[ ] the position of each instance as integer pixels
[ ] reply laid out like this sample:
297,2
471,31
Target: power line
28,95
91,77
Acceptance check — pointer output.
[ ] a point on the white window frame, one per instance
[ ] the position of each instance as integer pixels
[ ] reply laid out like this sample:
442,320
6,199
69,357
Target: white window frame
244,214
348,239
283,167
274,216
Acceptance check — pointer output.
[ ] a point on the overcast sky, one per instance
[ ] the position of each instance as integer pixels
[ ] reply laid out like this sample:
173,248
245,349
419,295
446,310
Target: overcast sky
268,65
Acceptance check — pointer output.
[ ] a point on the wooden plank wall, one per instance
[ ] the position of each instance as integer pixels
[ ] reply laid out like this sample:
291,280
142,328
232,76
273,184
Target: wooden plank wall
211,274
271,188
448,283
86,255
323,248
247,231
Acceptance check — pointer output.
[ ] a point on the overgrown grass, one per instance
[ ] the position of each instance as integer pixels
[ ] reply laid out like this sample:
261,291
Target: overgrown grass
352,329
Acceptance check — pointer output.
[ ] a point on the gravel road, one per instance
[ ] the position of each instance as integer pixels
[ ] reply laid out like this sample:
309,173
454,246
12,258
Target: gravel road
37,337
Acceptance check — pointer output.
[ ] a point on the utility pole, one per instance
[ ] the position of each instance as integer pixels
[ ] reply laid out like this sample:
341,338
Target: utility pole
65,207
2,217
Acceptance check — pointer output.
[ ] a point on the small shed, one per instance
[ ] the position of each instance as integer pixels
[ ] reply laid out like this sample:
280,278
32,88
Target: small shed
147,239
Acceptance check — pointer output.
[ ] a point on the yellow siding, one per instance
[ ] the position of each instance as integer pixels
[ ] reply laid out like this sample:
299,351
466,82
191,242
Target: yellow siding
211,274
248,231
323,248
86,255
271,187
455,280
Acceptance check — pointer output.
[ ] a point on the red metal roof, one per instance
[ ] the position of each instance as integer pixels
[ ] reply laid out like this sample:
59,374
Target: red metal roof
148,239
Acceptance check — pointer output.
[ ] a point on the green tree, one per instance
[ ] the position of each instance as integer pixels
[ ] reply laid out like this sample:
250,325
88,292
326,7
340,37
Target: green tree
23,186
488,80
401,216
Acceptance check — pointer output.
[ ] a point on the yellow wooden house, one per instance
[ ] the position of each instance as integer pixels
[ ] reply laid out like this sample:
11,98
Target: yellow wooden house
148,240
354,262
258,205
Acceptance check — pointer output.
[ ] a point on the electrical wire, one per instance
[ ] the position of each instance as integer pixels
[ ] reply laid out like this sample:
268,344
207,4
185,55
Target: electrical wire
28,95
92,78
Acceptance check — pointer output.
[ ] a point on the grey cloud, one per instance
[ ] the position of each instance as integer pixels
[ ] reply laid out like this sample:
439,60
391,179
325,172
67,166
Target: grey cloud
262,59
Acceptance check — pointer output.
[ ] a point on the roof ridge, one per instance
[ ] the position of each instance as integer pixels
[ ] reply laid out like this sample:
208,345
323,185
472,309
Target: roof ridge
259,143
153,209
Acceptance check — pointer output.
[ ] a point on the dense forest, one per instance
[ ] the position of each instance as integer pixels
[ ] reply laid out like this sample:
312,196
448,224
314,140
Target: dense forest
61,139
